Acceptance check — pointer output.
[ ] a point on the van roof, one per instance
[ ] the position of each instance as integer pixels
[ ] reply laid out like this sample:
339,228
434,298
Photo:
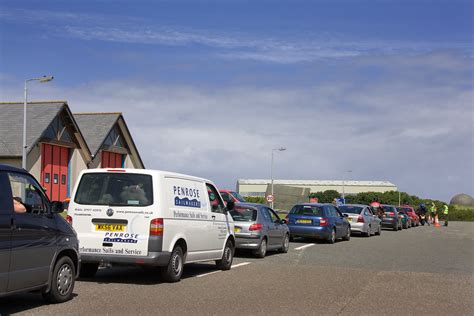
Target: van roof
145,171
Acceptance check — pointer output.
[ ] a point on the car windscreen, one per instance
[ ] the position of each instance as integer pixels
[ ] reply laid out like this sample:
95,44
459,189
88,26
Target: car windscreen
309,210
404,209
238,196
244,214
388,209
350,209
115,189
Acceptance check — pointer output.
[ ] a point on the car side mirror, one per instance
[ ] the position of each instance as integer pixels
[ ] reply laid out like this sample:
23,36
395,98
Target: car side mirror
230,205
57,207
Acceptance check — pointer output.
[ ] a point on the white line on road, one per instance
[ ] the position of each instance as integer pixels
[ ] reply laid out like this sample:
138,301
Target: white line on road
213,272
240,264
304,246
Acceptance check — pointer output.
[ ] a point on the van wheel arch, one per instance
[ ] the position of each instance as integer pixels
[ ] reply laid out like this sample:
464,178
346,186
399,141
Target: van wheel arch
182,243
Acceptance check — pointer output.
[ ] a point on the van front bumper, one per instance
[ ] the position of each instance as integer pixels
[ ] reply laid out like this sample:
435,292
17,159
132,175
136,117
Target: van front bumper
155,259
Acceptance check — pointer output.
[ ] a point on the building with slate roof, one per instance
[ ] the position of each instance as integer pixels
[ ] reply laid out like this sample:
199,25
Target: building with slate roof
58,143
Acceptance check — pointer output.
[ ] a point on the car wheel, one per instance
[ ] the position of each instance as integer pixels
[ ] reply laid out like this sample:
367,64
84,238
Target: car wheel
286,244
379,231
88,270
174,270
395,228
347,237
227,257
262,250
332,237
292,238
62,281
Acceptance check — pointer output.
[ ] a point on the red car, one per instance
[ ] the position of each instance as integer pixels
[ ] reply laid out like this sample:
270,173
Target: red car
415,220
229,195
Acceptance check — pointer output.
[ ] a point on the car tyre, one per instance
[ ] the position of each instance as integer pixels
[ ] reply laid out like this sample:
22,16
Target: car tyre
227,257
395,228
332,237
174,270
379,231
88,270
62,281
262,250
286,244
347,237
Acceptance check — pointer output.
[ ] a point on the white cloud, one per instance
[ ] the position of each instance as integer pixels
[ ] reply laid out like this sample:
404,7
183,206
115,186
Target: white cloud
415,134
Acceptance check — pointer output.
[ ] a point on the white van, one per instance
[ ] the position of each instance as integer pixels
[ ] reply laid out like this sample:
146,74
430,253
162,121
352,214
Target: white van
150,218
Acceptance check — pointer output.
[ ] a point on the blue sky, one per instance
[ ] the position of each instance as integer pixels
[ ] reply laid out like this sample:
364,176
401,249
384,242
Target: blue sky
383,88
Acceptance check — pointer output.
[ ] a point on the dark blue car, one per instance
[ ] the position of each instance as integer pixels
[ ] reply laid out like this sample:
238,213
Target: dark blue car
320,221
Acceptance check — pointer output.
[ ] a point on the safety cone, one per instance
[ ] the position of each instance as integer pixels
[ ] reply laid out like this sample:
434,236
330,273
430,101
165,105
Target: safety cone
436,222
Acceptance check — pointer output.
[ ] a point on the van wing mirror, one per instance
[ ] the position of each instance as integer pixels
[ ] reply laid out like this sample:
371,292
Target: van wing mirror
230,205
57,207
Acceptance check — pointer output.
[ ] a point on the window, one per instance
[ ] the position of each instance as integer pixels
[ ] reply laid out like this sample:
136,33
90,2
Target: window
332,212
244,214
217,205
115,189
266,215
238,196
274,216
27,196
309,210
350,209
226,196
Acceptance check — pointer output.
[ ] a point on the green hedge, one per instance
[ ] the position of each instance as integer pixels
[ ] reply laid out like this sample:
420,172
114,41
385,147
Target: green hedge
459,213
256,199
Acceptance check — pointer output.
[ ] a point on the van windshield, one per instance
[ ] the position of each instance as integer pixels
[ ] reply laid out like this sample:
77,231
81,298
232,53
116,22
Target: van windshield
115,189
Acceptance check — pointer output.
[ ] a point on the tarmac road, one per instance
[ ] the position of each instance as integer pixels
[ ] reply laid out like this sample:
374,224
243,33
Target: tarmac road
422,270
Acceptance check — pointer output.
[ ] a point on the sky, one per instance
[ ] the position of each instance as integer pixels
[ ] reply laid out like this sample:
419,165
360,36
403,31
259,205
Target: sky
383,88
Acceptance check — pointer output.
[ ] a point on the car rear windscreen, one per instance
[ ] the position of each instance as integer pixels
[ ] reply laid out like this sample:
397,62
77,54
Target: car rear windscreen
238,196
309,210
350,209
115,189
405,209
244,214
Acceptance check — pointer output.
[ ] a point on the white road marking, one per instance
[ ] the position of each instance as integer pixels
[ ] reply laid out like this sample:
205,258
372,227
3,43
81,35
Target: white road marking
240,264
214,272
304,246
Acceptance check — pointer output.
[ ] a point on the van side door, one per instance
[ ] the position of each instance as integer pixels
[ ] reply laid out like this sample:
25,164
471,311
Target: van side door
33,235
6,217
220,225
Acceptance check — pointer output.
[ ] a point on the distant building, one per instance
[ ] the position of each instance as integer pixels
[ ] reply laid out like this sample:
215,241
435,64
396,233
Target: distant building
250,187
62,144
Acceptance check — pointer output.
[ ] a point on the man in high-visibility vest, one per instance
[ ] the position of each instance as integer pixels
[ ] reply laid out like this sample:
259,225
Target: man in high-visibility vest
433,211
445,212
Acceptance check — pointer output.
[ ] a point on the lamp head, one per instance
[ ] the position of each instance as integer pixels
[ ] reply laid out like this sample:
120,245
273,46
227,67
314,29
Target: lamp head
46,78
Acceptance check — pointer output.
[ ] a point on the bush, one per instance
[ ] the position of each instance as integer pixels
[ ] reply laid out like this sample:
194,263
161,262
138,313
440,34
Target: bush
255,199
459,213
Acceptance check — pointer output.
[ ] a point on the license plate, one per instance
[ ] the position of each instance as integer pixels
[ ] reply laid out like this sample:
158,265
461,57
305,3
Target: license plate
237,230
304,221
110,227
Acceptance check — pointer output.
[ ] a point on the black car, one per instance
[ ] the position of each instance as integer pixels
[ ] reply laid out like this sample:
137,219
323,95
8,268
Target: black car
391,218
38,248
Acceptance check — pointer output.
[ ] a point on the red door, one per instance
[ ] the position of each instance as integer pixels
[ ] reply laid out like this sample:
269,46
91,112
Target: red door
111,160
54,171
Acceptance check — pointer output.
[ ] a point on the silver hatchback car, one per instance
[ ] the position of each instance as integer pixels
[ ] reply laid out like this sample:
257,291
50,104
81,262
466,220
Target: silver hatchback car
258,228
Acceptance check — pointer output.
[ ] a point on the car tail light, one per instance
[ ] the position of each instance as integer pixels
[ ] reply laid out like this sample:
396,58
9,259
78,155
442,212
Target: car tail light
360,219
116,170
69,219
157,227
391,214
323,222
255,227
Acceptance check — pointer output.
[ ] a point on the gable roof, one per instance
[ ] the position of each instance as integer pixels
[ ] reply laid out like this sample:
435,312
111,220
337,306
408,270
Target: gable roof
11,124
95,127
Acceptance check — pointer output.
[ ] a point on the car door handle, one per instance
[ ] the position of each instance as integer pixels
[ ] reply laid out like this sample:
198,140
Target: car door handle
213,216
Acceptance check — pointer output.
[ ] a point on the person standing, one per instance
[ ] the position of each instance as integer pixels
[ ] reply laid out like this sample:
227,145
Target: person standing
445,212
433,211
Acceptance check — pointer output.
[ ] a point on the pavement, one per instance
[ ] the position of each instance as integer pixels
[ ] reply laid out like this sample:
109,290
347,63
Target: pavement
422,270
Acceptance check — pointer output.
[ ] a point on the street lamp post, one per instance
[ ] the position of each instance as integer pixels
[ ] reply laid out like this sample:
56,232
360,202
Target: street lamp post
343,185
271,171
42,80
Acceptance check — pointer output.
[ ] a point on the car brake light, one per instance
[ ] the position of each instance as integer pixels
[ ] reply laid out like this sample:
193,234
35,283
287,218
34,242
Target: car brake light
360,219
391,214
69,219
116,170
255,227
157,227
323,222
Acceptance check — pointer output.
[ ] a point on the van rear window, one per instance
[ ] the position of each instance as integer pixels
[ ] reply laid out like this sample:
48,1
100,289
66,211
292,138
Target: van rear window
115,189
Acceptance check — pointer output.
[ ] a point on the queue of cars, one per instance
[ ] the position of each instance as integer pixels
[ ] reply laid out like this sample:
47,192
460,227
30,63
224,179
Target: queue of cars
151,218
